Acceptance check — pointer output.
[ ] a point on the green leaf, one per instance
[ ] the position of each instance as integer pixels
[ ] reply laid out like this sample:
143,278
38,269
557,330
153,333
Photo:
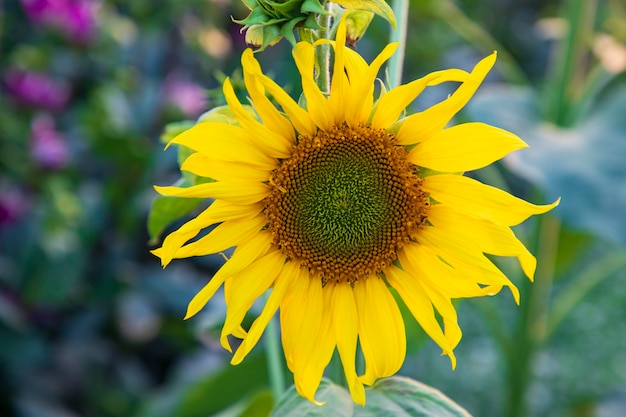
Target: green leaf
258,405
166,210
174,129
395,396
215,393
379,7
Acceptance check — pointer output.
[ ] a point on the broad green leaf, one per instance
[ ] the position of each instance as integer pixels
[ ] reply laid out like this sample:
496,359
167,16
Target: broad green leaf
379,7
338,403
404,397
395,396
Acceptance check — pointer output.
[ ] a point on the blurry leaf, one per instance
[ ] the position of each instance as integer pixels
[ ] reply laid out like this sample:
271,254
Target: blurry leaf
259,405
174,129
585,165
395,396
213,393
223,114
166,210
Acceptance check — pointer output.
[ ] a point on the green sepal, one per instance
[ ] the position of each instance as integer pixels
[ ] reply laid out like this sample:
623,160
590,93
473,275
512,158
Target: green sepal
313,6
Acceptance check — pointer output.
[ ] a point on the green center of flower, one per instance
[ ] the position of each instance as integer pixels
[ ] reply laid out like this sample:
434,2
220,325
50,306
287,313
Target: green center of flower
345,202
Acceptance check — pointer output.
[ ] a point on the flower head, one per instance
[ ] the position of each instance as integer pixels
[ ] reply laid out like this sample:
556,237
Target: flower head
333,204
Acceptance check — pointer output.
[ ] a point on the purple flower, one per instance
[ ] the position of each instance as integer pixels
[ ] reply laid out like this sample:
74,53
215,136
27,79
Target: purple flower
36,89
48,148
13,204
188,97
76,19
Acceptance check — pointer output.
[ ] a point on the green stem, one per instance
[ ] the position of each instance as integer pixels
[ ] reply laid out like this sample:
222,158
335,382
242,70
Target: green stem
322,52
582,284
570,69
533,325
401,11
274,359
448,12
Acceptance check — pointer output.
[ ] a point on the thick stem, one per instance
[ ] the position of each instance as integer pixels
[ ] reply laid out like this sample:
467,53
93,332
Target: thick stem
322,52
570,69
396,62
533,324
274,360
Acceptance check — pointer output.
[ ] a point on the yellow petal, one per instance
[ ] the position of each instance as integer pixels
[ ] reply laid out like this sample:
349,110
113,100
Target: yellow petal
272,143
416,299
316,103
465,147
487,236
391,105
224,236
271,117
345,323
306,333
381,329
420,126
300,118
423,263
479,200
217,212
243,256
248,285
362,78
465,257
221,170
225,142
240,192
284,280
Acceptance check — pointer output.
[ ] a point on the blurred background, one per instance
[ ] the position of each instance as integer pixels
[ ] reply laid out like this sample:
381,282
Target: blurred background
90,325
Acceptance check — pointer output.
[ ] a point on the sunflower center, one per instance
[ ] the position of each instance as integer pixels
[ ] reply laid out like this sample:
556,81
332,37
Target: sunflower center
345,202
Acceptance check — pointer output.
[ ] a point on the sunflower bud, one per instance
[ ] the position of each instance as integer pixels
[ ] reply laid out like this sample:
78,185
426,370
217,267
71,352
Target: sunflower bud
357,22
271,20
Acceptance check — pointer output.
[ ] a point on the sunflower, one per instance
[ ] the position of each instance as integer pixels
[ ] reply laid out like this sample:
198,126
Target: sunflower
332,205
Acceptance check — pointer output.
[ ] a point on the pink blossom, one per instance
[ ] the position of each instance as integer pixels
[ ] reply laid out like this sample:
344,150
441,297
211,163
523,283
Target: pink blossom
48,148
36,89
76,19
188,97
